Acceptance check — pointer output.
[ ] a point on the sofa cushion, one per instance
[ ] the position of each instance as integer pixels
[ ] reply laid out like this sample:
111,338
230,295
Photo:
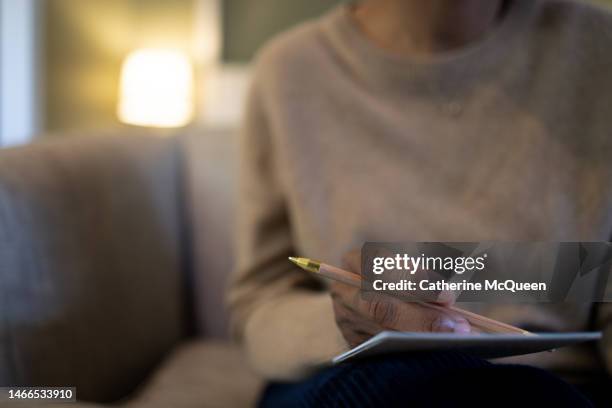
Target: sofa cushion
201,374
211,179
92,290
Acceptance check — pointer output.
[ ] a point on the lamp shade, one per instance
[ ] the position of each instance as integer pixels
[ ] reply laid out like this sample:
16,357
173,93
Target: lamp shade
156,89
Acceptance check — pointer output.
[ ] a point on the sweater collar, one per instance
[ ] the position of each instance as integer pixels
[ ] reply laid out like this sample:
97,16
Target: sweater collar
385,69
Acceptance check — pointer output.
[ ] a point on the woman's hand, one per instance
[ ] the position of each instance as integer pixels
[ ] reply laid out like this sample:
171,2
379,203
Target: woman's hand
361,317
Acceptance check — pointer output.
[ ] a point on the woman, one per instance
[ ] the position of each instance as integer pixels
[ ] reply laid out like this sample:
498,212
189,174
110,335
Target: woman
410,120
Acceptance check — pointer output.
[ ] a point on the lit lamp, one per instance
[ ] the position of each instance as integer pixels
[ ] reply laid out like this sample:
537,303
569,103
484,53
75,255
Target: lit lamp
156,89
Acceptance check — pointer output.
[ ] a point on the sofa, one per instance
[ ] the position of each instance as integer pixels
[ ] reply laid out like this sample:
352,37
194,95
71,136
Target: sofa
114,256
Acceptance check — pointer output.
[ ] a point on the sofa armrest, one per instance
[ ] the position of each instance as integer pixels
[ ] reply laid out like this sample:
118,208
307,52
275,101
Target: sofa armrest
91,262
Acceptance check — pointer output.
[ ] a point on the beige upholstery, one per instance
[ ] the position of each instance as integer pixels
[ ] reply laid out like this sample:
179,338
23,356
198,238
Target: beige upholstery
201,374
114,253
211,182
198,374
91,262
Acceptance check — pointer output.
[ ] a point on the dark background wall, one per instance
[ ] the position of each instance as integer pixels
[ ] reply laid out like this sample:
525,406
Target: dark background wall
249,23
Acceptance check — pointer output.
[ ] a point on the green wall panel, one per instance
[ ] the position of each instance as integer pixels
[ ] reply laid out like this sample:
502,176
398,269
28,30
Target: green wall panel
248,24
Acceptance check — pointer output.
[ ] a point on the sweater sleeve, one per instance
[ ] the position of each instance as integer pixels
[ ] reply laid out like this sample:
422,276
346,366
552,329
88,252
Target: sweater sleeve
284,320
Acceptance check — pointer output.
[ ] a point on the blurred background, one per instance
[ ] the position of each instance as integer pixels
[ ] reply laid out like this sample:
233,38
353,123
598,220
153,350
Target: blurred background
61,61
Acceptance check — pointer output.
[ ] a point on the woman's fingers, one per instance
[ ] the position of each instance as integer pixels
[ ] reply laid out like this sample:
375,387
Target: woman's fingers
378,311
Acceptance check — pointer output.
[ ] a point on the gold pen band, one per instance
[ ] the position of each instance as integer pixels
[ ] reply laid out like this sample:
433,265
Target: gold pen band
308,264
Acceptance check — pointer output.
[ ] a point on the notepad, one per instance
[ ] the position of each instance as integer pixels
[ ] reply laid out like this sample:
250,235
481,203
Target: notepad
480,345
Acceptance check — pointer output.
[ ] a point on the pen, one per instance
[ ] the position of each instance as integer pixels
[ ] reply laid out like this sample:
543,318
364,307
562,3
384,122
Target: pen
478,321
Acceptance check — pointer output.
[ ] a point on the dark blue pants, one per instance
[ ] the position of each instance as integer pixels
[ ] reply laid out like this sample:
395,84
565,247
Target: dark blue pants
425,380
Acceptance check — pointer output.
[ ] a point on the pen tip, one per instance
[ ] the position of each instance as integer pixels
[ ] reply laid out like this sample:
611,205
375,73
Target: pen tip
306,263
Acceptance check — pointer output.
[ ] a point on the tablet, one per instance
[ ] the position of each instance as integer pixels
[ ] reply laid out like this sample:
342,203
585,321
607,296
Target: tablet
481,345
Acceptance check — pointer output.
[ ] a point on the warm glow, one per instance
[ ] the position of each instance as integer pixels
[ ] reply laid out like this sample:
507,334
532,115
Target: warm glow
156,89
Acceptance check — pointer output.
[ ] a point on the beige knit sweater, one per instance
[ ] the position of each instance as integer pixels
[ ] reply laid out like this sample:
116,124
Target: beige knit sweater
508,139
